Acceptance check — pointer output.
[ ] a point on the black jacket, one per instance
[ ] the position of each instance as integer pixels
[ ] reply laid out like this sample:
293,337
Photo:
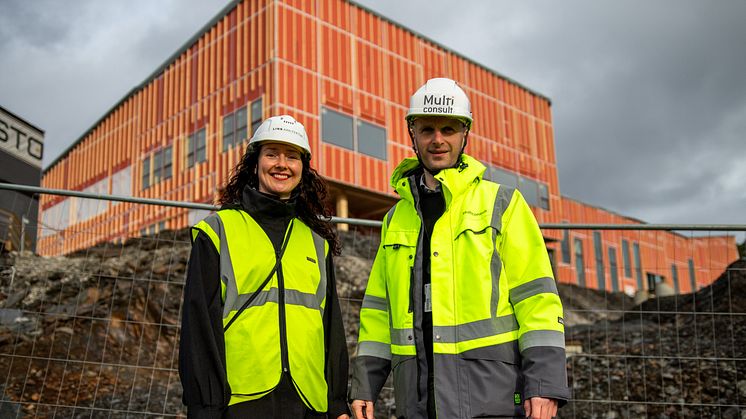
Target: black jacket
202,346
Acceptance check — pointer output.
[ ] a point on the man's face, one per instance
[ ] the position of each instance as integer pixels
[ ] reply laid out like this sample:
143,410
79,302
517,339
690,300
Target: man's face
438,140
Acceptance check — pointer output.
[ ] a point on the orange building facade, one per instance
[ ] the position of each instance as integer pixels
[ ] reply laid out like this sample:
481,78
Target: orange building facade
346,73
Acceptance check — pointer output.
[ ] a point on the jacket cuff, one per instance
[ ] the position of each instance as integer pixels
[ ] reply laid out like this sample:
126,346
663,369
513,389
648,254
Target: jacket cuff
548,391
338,407
204,412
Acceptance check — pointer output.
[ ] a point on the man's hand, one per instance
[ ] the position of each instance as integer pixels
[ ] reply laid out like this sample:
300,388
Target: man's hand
540,408
362,409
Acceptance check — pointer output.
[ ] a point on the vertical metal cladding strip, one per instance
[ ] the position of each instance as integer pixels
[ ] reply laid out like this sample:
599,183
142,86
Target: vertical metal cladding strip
318,243
226,267
502,200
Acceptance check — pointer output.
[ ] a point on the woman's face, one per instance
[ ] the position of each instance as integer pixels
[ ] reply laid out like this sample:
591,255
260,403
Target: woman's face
279,169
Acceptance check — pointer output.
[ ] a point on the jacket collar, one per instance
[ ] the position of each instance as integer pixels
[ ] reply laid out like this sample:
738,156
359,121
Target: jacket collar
263,205
455,181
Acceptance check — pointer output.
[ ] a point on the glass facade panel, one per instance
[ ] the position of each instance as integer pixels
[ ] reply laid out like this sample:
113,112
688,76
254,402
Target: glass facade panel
228,131
530,190
146,172
625,259
579,266
167,162
598,247
613,269
566,247
638,265
371,140
256,115
336,129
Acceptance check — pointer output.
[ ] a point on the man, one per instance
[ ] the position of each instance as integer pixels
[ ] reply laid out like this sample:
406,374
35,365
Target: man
461,302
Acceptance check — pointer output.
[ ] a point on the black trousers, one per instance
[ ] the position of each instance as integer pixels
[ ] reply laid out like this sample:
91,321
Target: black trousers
282,403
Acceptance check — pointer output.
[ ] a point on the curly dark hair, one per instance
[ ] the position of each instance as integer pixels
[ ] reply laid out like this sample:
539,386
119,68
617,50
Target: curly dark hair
310,195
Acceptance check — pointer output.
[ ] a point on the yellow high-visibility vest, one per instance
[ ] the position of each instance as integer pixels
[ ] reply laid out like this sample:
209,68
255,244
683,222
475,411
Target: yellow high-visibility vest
252,342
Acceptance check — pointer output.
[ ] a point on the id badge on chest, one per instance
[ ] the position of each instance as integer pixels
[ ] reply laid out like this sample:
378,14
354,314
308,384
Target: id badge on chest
428,299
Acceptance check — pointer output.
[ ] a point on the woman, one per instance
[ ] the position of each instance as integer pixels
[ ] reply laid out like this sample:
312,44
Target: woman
262,333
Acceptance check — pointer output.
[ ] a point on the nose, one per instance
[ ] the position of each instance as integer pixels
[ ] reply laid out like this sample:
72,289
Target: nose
282,160
438,137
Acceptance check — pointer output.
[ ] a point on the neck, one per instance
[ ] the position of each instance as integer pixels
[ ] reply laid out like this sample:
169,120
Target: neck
430,180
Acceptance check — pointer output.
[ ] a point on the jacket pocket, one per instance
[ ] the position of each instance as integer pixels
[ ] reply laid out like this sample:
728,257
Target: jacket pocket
494,380
404,369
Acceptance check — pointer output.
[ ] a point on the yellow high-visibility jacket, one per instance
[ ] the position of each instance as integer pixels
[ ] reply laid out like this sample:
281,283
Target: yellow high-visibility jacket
498,334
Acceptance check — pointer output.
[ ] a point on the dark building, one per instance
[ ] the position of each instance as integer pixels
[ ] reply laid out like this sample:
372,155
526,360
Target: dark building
21,151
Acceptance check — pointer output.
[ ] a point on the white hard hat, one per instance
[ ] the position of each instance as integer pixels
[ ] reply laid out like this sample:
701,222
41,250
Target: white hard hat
282,129
441,97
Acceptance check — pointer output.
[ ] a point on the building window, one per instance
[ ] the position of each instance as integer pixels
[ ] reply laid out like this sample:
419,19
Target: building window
371,140
579,267
613,269
501,176
692,279
566,247
146,172
196,148
162,164
353,134
598,247
625,259
535,193
157,166
256,115
675,278
168,163
530,190
638,265
234,128
336,128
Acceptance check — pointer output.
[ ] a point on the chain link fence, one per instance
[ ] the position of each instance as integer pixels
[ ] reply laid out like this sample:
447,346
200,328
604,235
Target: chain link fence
95,333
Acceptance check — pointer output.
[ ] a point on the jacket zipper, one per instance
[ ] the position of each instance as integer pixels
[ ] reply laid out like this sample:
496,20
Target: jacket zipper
283,326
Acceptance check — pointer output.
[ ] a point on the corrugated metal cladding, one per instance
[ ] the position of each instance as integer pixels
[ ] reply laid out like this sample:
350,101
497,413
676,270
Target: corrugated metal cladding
314,60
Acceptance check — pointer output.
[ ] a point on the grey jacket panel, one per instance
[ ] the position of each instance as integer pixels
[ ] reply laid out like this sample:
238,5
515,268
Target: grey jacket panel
482,382
369,374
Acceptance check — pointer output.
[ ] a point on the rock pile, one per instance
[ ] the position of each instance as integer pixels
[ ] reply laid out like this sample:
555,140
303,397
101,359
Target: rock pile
96,333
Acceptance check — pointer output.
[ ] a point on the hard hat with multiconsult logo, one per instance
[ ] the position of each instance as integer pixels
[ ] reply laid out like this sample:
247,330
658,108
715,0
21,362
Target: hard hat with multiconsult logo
282,129
440,97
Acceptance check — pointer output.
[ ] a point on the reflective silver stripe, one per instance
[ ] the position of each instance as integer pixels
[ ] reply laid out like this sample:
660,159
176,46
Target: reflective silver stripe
319,242
390,215
402,337
292,297
531,288
376,303
377,349
541,338
502,200
474,330
226,266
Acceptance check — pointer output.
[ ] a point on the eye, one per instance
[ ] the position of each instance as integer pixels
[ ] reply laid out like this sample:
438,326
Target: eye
294,156
426,130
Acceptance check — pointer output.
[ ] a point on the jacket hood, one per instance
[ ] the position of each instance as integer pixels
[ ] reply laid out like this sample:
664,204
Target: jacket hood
455,180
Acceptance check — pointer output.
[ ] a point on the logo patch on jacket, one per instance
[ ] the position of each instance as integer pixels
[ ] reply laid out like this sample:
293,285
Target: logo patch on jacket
560,320
517,398
310,259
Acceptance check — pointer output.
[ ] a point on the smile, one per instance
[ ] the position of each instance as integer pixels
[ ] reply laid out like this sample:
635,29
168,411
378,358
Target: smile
280,176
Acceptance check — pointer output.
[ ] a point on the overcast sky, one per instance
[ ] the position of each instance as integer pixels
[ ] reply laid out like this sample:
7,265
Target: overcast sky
648,98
